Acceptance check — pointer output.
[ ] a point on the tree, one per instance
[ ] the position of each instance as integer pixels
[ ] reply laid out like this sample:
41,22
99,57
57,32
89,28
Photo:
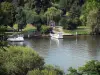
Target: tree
7,13
71,9
20,18
88,6
63,22
55,1
30,16
53,14
47,70
73,71
93,20
90,68
38,5
29,4
5,19
46,4
19,60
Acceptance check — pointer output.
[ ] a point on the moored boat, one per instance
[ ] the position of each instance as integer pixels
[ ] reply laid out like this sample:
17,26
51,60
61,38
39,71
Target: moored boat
57,35
16,39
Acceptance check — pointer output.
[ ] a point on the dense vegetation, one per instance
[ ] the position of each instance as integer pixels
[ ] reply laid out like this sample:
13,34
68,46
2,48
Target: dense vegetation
68,13
19,60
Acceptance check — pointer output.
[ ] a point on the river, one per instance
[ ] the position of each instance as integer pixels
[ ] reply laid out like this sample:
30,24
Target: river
72,51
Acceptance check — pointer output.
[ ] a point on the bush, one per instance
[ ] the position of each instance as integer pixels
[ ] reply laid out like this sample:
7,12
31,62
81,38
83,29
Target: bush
56,68
19,60
45,29
93,20
47,70
29,27
15,26
63,22
42,72
90,68
69,23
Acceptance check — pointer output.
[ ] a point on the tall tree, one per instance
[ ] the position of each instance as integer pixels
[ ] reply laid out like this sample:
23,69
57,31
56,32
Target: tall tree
93,20
53,14
7,13
46,4
88,6
20,18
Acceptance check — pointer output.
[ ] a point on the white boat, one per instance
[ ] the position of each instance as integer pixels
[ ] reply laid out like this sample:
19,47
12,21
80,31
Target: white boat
16,39
57,35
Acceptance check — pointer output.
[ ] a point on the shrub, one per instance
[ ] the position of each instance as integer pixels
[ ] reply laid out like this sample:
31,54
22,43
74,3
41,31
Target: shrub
19,60
90,68
45,29
47,70
15,26
29,27
63,22
42,72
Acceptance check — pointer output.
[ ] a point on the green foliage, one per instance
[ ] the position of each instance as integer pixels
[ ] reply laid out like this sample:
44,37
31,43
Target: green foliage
37,5
20,18
45,4
45,29
3,36
88,6
93,20
56,68
90,68
81,30
69,23
48,70
73,23
15,26
43,72
55,1
29,4
63,22
32,17
53,14
73,13
19,60
6,7
43,19
63,3
7,13
72,71
29,27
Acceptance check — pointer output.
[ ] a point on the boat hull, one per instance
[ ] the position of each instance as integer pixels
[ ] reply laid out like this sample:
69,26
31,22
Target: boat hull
19,39
57,36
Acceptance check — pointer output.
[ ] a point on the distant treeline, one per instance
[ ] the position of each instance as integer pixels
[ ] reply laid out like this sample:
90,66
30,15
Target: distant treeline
68,13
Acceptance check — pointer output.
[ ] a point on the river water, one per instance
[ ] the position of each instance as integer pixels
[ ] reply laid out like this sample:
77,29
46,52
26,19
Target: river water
72,51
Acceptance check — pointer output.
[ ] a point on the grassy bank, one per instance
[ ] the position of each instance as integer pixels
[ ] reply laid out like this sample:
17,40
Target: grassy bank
81,30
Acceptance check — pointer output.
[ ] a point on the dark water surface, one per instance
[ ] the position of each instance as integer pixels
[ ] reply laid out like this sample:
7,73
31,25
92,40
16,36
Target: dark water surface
72,51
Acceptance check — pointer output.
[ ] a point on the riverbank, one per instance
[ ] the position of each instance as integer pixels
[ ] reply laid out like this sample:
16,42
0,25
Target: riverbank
81,30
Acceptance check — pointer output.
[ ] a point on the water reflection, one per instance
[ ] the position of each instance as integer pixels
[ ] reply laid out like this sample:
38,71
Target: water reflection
17,43
57,42
71,51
